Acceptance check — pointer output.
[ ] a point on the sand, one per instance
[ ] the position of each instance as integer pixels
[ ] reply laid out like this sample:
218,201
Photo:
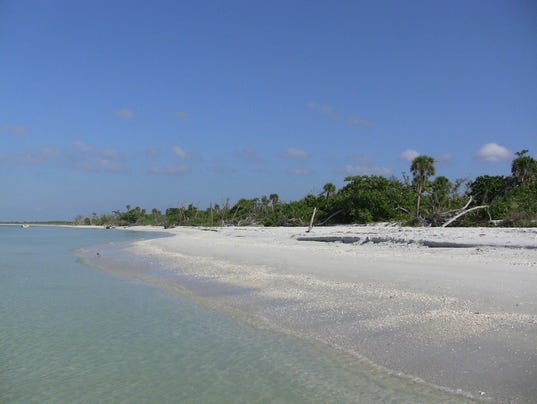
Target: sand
455,307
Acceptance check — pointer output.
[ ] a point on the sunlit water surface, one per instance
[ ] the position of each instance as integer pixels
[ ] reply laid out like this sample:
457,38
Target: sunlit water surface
73,333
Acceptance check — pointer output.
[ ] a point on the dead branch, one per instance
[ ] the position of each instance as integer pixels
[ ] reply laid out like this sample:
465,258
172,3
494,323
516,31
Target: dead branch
403,209
464,212
330,217
311,221
459,209
468,203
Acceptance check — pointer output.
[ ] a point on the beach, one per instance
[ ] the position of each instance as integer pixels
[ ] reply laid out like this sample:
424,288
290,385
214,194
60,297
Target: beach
451,307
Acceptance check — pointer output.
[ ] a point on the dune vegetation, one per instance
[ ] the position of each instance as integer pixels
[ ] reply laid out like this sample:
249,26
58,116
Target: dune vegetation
421,198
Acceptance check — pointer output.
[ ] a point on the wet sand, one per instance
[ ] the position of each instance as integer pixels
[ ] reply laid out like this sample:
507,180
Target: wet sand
456,308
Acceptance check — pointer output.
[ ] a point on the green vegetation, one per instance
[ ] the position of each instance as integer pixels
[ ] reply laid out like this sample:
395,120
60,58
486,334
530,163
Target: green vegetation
422,168
422,200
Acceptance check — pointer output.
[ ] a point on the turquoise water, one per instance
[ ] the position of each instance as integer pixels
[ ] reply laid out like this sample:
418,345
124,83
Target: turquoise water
73,333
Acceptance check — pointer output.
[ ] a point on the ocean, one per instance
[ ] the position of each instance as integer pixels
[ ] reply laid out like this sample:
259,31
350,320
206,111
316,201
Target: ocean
73,333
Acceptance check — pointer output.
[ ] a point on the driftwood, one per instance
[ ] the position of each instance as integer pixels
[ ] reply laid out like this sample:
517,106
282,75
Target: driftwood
461,212
330,217
311,221
456,211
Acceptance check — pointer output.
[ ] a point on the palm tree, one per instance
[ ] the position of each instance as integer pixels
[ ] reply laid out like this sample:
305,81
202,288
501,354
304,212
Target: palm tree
422,168
274,199
156,215
265,202
329,189
524,168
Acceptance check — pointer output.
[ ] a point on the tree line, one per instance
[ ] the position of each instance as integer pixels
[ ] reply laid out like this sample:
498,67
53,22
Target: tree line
420,199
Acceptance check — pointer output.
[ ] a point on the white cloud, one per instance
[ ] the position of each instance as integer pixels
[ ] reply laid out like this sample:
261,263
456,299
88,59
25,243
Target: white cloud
301,172
124,113
15,130
364,170
174,170
179,152
296,153
331,112
409,155
493,153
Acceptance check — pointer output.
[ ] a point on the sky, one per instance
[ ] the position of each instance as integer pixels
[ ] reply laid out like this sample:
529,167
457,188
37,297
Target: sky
159,104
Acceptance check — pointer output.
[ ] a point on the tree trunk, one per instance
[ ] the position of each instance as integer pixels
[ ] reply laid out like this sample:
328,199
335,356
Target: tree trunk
419,200
312,218
462,214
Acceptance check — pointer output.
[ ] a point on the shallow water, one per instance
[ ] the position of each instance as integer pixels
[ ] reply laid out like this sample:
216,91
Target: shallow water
69,332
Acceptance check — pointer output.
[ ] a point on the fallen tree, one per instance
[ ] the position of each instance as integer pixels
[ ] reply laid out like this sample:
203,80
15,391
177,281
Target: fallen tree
464,212
444,219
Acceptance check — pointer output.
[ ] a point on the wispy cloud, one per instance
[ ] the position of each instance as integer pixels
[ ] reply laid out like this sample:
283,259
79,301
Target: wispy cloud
249,155
493,153
15,130
110,161
181,153
82,156
301,172
40,156
124,113
291,152
90,159
409,155
442,158
83,147
358,122
360,159
365,170
171,170
363,166
222,169
332,113
182,115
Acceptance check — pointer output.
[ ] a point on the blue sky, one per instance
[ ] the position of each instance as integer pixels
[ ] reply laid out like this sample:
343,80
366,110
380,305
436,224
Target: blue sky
163,103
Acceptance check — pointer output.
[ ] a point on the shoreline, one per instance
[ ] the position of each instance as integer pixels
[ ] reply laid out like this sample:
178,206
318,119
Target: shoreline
464,319
461,316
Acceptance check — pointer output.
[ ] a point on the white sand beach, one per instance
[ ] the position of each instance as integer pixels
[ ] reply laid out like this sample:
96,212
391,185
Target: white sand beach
455,307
